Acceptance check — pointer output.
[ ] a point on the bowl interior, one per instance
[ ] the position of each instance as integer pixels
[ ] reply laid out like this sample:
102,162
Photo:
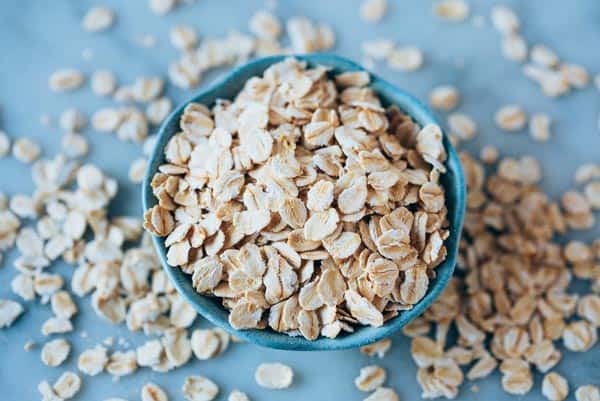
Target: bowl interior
211,308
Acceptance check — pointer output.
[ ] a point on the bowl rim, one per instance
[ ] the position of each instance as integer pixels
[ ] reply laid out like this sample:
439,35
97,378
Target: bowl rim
363,335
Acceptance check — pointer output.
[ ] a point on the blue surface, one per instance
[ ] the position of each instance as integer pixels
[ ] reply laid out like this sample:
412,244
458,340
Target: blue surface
37,37
210,308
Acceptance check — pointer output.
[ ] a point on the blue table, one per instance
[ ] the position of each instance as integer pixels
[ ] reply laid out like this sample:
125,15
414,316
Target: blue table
38,37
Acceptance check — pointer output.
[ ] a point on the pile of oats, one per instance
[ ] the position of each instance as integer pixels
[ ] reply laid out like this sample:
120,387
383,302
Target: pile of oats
303,204
510,302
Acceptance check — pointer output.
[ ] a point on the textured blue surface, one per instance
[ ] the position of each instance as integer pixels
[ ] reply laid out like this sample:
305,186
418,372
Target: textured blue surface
37,37
210,308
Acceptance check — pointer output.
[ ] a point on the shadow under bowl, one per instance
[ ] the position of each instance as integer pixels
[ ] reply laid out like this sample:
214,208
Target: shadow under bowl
211,308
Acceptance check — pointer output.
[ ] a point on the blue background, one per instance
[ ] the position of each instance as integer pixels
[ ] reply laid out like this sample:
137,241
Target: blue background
38,37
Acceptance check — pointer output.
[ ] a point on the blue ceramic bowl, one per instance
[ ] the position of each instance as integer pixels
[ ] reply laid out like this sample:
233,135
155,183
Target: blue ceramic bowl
212,310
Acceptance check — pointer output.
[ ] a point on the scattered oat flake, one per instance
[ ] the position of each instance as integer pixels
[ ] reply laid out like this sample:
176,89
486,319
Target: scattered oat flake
199,388
407,58
237,395
98,19
444,97
274,375
55,352
65,80
152,392
504,19
451,10
9,312
373,10
555,387
510,118
587,392
26,150
67,385
103,82
539,127
370,378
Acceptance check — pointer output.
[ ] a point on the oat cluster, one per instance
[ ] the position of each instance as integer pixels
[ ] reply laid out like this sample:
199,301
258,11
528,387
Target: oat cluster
304,204
511,301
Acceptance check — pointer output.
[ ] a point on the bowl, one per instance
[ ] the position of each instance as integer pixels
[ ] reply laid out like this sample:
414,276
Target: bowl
211,308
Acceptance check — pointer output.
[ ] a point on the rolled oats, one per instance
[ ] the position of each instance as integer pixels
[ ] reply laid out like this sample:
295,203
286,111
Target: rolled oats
183,37
98,19
373,10
383,394
265,25
462,125
379,348
514,47
162,7
587,392
67,385
103,82
444,97
555,387
370,378
92,361
66,79
408,58
543,56
539,127
199,388
71,120
306,209
25,150
9,312
122,363
237,395
451,10
504,19
152,392
510,118
274,376
4,144
55,352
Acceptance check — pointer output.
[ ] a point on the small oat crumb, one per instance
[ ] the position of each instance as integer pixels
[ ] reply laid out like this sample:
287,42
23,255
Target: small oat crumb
489,154
98,19
29,345
87,54
373,11
539,127
451,10
478,21
145,40
475,388
444,97
511,118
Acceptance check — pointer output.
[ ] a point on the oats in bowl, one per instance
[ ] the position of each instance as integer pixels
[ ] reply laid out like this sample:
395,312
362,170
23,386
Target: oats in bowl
304,205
